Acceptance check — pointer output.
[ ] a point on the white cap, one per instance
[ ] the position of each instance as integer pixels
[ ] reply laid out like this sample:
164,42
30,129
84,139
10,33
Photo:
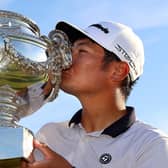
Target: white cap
116,38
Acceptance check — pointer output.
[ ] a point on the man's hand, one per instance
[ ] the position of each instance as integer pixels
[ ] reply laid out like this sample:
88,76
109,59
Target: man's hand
51,159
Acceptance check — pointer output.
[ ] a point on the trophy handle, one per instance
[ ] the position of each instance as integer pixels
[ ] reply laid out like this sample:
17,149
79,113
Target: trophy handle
58,58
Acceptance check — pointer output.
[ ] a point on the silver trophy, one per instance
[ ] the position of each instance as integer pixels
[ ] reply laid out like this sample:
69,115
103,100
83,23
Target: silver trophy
30,75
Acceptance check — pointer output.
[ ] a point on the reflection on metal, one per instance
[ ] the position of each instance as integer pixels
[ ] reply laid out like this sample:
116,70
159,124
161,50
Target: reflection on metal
30,75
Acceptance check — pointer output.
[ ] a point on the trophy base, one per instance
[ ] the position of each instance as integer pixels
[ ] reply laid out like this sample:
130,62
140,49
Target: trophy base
11,163
16,144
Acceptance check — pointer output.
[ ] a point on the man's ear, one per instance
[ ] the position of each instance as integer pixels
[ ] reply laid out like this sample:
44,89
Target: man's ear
119,71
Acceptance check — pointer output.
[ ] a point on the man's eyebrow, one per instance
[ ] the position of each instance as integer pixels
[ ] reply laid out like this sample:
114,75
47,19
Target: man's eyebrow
83,42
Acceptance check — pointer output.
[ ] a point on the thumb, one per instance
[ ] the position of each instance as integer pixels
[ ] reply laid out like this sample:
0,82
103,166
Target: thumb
47,152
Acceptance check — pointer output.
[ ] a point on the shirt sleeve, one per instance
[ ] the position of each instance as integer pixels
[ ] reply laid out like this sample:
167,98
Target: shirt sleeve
155,155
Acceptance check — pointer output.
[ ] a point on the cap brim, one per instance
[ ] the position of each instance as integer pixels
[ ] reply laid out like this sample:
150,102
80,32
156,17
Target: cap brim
71,31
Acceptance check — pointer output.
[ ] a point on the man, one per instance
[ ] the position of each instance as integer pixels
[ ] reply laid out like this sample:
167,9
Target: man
108,59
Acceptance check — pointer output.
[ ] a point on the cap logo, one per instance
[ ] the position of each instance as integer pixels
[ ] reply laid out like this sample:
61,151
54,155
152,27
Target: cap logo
99,26
127,57
105,158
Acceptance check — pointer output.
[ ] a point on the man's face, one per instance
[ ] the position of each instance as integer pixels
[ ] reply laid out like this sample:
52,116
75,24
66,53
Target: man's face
86,75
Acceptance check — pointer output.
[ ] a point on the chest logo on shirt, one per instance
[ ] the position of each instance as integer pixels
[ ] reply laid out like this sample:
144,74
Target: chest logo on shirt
105,158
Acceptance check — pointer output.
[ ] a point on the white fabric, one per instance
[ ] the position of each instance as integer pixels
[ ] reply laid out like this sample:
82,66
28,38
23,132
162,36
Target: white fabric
141,146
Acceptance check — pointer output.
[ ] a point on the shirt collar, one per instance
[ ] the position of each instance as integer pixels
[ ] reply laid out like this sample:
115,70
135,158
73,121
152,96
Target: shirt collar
116,128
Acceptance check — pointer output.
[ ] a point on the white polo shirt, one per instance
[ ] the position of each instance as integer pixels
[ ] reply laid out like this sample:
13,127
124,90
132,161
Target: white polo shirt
127,143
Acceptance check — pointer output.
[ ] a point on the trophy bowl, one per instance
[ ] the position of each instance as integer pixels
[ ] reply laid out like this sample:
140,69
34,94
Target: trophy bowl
30,75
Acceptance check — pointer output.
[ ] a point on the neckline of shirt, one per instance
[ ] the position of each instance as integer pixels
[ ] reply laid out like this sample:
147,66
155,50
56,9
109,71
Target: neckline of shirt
116,128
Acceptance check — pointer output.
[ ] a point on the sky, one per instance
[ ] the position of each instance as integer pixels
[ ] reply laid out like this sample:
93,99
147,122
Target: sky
149,19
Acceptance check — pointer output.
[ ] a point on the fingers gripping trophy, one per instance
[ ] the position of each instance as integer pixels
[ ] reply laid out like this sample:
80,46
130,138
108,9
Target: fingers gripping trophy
30,75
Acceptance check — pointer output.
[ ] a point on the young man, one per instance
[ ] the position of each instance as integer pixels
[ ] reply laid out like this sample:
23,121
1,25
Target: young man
108,58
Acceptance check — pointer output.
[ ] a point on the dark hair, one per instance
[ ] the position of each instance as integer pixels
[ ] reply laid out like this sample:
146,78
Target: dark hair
127,84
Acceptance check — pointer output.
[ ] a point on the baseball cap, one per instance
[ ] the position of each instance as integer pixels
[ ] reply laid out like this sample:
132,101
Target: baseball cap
114,37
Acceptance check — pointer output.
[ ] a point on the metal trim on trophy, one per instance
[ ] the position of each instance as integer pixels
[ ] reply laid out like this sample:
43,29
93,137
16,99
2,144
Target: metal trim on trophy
30,76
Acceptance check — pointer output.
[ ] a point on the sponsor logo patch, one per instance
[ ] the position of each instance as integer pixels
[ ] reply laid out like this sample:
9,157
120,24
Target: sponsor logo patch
105,158
99,26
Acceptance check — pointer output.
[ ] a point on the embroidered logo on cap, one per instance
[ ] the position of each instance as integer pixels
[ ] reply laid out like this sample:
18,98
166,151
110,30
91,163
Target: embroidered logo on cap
99,26
127,57
105,158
